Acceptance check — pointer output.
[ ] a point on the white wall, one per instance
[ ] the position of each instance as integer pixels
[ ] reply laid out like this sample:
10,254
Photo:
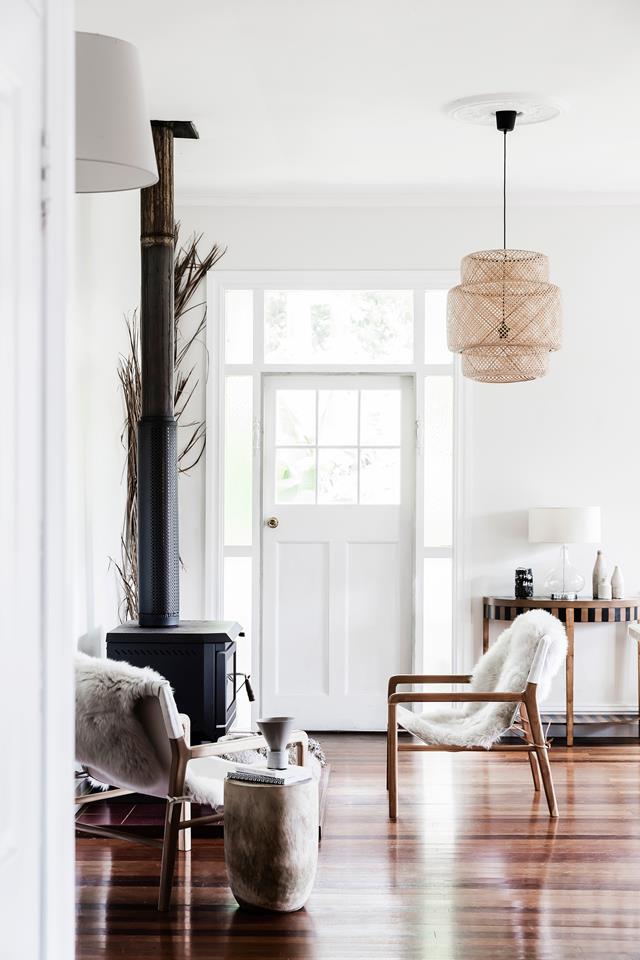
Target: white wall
108,289
567,439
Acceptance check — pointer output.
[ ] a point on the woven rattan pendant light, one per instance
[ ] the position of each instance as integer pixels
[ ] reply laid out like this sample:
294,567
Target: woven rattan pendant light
505,316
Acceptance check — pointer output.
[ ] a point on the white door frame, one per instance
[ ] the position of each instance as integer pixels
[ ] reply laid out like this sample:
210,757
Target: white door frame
218,282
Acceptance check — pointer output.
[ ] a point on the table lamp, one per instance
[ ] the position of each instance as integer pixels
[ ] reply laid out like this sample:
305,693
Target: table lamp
564,525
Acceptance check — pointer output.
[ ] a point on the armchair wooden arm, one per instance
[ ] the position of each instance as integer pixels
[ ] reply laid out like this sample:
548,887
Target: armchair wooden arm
253,742
426,678
491,696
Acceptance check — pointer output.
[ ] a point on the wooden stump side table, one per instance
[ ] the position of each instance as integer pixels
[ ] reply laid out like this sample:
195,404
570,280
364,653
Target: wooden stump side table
271,843
570,612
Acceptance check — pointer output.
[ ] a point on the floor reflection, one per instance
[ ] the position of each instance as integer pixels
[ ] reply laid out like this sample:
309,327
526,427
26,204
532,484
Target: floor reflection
473,868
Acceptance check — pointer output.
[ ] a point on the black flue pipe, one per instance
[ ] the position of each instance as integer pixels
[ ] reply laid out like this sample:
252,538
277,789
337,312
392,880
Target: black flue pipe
158,543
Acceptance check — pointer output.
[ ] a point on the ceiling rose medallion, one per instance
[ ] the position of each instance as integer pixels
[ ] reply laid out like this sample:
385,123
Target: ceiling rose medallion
504,318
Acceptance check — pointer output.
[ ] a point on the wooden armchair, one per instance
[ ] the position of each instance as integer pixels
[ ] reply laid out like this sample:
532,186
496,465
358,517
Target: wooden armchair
185,773
528,722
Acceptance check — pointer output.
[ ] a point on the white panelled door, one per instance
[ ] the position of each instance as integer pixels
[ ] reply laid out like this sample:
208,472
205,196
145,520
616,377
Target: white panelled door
337,546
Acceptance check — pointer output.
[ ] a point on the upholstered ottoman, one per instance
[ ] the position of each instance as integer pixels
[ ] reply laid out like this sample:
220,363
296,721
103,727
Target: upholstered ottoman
271,843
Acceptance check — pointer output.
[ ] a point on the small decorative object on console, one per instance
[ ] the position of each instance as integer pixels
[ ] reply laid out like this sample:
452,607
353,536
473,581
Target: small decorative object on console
524,583
599,573
617,583
604,589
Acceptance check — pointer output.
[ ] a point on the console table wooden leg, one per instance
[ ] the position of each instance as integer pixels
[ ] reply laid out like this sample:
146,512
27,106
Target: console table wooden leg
569,676
485,634
639,686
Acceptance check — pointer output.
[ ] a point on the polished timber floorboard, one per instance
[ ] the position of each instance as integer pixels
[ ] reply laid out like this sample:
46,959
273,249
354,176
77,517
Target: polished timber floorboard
473,868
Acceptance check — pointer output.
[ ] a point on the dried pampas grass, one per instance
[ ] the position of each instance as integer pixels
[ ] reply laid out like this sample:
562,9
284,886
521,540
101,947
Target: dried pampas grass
190,269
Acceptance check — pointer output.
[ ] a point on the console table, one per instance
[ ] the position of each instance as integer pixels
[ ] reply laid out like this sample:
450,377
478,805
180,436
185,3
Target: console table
569,612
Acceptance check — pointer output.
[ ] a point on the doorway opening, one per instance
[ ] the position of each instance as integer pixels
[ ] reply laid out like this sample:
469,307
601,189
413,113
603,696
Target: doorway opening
333,413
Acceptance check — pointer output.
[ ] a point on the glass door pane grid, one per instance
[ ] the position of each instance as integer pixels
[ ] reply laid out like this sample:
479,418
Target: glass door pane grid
342,481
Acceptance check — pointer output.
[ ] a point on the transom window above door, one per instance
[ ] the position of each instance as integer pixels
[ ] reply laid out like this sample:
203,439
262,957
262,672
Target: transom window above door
338,326
338,446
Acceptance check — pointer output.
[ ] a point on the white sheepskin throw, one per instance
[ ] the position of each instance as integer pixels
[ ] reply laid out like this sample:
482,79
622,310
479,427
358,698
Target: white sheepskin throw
112,741
109,735
505,668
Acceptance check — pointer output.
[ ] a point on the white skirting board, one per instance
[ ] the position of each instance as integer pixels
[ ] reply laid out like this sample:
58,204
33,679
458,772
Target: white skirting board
595,724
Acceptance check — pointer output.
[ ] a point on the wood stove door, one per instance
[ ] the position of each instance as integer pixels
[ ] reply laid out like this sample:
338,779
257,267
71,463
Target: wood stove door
337,545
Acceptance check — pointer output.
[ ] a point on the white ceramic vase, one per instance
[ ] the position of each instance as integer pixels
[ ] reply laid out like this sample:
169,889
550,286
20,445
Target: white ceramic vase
599,573
617,583
604,589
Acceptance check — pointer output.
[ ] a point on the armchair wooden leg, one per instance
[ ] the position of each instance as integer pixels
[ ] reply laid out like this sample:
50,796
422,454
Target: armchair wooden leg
547,781
184,836
301,753
535,771
169,848
542,753
533,760
392,761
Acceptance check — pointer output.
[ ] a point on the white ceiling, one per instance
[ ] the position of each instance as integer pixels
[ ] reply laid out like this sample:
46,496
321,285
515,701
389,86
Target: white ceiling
342,100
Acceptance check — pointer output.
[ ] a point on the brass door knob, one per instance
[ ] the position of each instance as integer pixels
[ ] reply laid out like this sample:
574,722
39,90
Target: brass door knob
273,522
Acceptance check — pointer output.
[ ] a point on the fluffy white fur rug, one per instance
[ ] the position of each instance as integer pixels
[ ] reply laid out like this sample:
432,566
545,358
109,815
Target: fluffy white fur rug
505,667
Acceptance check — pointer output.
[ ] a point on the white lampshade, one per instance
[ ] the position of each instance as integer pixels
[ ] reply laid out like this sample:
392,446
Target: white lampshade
114,144
564,525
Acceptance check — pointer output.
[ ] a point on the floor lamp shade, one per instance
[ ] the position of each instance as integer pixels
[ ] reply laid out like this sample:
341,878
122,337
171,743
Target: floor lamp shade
564,525
114,144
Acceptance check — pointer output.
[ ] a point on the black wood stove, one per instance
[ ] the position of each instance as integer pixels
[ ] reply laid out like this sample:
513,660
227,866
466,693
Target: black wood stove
197,657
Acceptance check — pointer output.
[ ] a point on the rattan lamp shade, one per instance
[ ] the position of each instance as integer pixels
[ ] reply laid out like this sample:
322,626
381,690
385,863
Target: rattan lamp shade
505,316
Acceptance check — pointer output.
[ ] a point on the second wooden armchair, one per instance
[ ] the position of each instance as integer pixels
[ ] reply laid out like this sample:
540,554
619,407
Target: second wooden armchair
504,694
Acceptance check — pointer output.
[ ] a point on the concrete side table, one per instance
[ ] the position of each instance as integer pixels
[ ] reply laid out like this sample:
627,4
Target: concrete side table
271,843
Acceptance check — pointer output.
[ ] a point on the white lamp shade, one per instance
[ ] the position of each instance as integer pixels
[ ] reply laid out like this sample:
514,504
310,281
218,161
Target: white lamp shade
564,525
114,144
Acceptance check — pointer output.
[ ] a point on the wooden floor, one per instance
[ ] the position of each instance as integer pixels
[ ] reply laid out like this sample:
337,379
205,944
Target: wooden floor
473,868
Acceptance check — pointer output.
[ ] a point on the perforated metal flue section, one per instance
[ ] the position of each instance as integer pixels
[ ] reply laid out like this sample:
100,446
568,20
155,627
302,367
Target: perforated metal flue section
158,544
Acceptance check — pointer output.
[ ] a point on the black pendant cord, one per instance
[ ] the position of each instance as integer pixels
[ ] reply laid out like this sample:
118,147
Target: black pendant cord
504,190
505,122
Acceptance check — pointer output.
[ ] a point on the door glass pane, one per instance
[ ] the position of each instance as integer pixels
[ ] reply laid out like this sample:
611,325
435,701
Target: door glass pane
338,326
237,606
338,417
295,417
380,417
435,320
295,475
238,462
379,476
337,476
438,614
238,326
438,461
